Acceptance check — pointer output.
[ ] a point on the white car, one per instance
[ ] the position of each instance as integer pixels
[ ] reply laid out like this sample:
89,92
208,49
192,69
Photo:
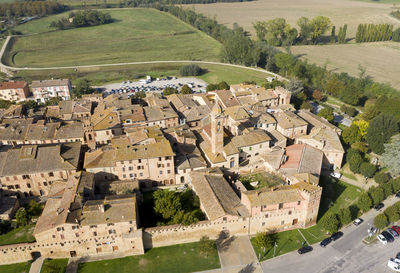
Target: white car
336,175
382,239
394,264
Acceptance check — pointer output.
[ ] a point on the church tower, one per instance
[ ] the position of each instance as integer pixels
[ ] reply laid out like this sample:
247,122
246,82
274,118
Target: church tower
217,129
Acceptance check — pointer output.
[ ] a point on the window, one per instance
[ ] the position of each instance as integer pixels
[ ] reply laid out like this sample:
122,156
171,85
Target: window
298,203
224,218
290,212
260,145
282,222
94,233
280,205
77,235
140,174
168,164
51,174
159,159
93,226
140,161
130,168
123,169
28,185
124,175
169,171
160,172
131,175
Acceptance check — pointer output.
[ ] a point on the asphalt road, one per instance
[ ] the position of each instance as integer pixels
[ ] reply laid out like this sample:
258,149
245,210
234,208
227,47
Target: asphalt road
348,254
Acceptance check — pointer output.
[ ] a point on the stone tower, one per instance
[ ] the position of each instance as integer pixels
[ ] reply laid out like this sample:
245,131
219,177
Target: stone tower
217,129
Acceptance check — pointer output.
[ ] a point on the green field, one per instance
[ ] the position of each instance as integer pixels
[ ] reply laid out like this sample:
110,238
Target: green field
54,266
15,268
100,75
136,35
18,235
171,259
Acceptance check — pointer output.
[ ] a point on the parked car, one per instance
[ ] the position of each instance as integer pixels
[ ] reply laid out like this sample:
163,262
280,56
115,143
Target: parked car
398,194
382,239
394,264
379,206
304,249
336,235
336,175
388,236
398,255
326,242
397,229
358,221
392,232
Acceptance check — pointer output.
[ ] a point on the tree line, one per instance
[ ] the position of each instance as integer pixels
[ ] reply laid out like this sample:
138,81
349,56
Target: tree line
277,32
147,3
39,8
374,33
82,19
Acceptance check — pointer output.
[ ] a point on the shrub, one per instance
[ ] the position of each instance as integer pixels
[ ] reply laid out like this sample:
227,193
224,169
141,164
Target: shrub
381,177
344,216
351,111
355,160
22,217
169,90
262,240
186,89
387,189
206,246
364,202
367,169
395,184
381,221
330,223
190,70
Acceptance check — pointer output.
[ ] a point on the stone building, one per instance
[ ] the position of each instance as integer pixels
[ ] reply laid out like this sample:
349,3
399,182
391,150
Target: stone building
31,169
46,89
14,91
290,125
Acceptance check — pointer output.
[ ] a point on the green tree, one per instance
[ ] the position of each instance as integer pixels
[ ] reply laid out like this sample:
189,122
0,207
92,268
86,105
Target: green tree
381,177
206,246
344,215
190,70
387,189
333,35
34,208
330,223
186,89
367,169
380,221
305,28
22,217
260,28
284,62
167,203
82,87
319,26
391,155
223,86
169,91
327,113
279,33
377,195
295,86
351,134
364,202
211,87
380,130
395,184
392,214
262,240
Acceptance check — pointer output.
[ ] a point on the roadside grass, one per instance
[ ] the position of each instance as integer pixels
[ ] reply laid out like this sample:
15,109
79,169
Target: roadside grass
15,268
137,34
18,235
54,266
101,75
172,259
335,195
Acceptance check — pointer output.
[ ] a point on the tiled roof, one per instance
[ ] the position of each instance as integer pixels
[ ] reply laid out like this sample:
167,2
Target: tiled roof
287,119
302,158
12,85
48,83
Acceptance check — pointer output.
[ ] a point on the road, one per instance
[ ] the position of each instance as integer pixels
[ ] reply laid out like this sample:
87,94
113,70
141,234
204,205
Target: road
348,254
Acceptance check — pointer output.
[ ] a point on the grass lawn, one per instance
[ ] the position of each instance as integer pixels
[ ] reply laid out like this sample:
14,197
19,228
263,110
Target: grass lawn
54,266
171,259
335,195
264,179
101,75
136,35
15,268
18,235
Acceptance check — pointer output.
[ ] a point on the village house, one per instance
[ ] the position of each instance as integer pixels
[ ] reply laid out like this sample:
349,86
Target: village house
315,122
71,110
289,124
14,91
31,169
104,125
46,89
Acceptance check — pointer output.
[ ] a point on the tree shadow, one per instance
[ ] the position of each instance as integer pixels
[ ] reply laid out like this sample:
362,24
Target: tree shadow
224,241
331,191
248,268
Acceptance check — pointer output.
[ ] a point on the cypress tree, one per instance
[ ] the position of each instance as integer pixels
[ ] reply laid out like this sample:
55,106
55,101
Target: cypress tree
333,36
358,34
343,37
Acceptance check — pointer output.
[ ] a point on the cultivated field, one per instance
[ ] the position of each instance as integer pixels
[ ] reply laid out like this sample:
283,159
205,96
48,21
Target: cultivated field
382,60
340,12
136,35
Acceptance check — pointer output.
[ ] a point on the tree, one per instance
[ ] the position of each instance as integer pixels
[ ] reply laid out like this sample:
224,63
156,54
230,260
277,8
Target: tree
305,28
260,28
377,195
395,184
392,214
211,87
169,91
284,62
22,217
34,208
391,155
381,177
318,95
294,85
319,26
362,147
380,221
186,89
380,130
167,203
344,216
362,126
333,35
223,86
206,246
354,158
330,223
279,33
367,169
327,113
82,87
364,202
387,189
262,240
351,134
190,70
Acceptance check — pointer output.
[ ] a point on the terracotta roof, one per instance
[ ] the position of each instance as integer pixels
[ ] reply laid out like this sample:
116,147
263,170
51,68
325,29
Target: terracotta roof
48,83
302,158
325,137
12,85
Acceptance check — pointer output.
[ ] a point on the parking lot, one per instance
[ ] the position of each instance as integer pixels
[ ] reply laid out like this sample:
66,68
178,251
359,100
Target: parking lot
154,85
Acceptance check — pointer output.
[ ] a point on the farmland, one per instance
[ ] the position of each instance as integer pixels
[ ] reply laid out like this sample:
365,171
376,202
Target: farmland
136,35
380,59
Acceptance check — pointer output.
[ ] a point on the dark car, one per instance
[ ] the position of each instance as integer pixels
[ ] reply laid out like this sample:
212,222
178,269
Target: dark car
398,256
387,236
304,249
379,206
327,241
336,235
398,194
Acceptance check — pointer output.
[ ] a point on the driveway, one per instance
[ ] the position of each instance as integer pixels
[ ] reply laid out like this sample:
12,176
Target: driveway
348,254
236,254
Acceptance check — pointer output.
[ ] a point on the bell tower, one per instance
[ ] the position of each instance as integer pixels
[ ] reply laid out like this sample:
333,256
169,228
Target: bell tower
217,129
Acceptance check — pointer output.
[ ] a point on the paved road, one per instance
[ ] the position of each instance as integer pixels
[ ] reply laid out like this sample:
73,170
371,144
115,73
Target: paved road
348,254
